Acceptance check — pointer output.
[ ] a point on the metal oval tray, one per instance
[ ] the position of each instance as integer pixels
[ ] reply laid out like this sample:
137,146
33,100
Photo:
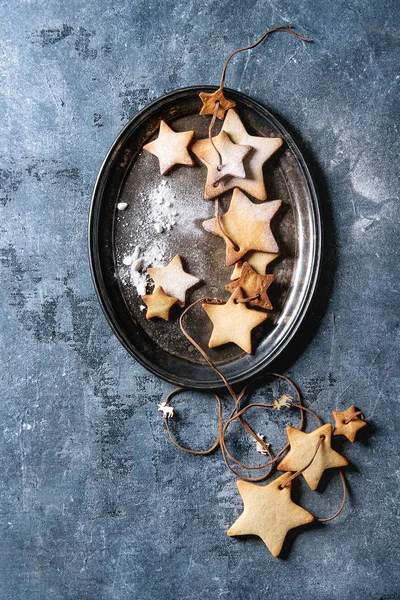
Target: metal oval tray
132,176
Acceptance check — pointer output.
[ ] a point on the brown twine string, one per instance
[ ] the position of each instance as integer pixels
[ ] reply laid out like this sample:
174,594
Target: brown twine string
283,28
355,416
238,413
300,471
341,507
210,130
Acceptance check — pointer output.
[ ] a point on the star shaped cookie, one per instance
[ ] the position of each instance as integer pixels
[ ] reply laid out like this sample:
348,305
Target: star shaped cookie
247,225
269,512
263,149
209,101
349,429
173,279
302,448
232,156
253,284
158,304
171,148
259,261
233,322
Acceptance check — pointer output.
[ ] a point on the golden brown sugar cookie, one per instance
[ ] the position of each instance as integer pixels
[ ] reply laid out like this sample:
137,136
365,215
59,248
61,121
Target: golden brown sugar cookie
233,322
302,448
263,149
173,279
259,261
231,156
347,424
158,304
253,284
247,225
269,512
209,101
171,148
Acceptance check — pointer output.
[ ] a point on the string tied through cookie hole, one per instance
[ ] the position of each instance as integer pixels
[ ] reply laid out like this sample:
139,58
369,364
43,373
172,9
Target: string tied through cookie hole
357,415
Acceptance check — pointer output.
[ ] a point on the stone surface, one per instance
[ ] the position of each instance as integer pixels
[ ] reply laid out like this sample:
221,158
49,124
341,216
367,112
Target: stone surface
95,502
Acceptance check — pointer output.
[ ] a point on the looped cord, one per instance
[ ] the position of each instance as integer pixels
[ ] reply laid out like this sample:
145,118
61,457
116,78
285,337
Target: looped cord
355,416
237,413
283,28
210,130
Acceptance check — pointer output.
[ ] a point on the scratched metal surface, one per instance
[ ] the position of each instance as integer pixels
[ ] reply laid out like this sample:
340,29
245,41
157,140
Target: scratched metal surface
95,503
113,235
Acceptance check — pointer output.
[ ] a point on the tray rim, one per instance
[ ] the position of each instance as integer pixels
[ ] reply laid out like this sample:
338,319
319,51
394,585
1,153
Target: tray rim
94,261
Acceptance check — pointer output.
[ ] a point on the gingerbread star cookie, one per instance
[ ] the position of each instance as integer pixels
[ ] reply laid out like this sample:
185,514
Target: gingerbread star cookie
347,424
247,225
263,149
231,154
173,279
259,261
171,148
233,322
253,284
158,304
210,100
302,448
269,512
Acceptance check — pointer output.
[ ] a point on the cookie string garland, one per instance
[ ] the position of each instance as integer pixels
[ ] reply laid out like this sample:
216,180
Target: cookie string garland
234,160
221,103
238,413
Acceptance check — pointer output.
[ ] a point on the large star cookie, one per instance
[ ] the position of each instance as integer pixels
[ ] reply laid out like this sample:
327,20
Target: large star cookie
263,149
253,284
233,322
247,225
171,148
347,424
269,512
302,448
231,154
173,279
158,304
210,100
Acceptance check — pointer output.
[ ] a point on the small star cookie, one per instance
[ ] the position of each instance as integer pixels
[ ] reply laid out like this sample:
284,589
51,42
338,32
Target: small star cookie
171,148
269,512
247,224
346,425
210,100
173,279
232,156
259,261
253,284
158,304
233,322
302,448
263,149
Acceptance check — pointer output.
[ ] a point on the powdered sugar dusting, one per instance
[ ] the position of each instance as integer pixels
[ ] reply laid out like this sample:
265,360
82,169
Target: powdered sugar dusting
162,204
135,263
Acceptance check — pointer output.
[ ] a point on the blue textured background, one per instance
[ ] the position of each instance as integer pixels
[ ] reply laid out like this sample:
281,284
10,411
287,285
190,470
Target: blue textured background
95,503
